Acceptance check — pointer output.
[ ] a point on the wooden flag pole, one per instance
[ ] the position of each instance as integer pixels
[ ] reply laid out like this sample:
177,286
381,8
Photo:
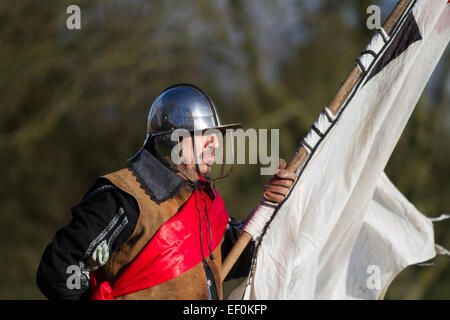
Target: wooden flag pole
334,106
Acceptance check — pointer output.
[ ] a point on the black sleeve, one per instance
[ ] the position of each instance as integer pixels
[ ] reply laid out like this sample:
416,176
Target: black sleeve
106,216
242,266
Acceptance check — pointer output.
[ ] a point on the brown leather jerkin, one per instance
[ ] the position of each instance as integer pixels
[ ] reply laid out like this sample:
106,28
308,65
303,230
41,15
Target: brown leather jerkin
191,285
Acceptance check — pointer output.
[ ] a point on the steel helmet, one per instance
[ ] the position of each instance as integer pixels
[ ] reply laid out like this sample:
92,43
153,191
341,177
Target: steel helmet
180,106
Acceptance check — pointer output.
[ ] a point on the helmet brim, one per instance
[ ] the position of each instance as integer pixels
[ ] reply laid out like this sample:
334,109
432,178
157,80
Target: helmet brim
222,128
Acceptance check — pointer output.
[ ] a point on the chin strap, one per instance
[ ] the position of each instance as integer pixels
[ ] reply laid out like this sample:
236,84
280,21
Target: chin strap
212,289
198,186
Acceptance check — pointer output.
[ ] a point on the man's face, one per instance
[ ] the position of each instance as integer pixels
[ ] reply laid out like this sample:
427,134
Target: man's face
205,151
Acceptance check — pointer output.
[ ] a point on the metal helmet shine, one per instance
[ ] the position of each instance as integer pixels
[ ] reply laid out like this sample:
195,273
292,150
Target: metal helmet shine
180,106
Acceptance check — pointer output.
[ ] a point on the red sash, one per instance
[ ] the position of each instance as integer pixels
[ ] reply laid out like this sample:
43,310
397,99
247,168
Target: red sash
174,249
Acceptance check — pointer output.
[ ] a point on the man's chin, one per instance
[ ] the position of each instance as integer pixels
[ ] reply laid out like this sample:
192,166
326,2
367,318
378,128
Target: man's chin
205,170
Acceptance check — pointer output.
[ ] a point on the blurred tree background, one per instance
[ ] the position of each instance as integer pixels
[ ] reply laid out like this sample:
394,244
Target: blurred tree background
74,106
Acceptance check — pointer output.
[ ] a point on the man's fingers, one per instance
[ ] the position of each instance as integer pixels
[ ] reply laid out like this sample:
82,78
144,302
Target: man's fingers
273,197
278,186
281,164
284,174
281,182
276,189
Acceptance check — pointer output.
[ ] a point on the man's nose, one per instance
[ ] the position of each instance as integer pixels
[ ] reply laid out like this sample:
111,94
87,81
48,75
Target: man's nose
213,141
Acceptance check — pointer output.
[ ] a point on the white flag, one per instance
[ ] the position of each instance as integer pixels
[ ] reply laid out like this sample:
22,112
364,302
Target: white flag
345,231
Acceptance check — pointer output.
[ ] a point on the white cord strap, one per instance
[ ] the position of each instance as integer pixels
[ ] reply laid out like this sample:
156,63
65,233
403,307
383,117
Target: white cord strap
258,219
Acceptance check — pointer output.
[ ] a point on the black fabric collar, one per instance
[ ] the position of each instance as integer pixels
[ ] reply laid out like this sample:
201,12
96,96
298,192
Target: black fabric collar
158,181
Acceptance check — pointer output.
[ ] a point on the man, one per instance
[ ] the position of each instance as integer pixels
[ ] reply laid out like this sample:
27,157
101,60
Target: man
157,229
